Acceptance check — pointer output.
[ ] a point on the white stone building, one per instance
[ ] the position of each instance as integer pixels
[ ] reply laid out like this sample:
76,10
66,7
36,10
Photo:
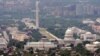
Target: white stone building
98,20
68,39
88,21
77,41
93,46
3,42
88,37
40,45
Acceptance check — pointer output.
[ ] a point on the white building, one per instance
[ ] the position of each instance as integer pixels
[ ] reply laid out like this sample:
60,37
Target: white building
97,43
77,41
20,36
91,47
40,45
98,20
77,31
44,39
3,43
88,37
88,21
6,35
68,39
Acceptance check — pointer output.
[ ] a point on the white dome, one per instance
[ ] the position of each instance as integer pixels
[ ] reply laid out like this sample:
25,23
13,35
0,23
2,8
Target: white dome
69,31
88,33
73,27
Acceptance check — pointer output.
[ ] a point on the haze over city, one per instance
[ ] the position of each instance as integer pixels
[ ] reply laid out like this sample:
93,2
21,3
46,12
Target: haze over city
49,28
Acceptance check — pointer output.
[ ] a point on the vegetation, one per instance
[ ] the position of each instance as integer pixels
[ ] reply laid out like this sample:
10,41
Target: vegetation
35,34
58,26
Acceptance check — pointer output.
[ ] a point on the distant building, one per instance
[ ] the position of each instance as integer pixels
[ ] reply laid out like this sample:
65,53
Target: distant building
84,9
68,39
28,22
20,36
16,34
98,20
6,36
91,47
12,30
88,21
97,43
77,31
44,39
40,45
88,37
3,42
96,28
77,41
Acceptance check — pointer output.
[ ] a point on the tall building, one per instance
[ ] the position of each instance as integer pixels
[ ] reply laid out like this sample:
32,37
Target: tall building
84,8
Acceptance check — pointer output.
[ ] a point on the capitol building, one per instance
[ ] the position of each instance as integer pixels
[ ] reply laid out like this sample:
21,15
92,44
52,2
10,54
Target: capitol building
69,39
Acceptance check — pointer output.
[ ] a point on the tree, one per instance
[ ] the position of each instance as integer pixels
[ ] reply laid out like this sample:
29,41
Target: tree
31,50
20,45
1,52
81,49
86,42
98,51
65,52
98,40
75,36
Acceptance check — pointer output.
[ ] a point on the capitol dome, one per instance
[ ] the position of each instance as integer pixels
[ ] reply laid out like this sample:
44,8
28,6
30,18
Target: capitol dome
69,31
88,33
69,35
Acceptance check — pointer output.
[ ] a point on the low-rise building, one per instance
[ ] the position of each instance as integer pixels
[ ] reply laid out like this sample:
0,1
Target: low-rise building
88,21
20,36
3,43
97,43
88,36
40,45
91,47
96,28
98,20
44,39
